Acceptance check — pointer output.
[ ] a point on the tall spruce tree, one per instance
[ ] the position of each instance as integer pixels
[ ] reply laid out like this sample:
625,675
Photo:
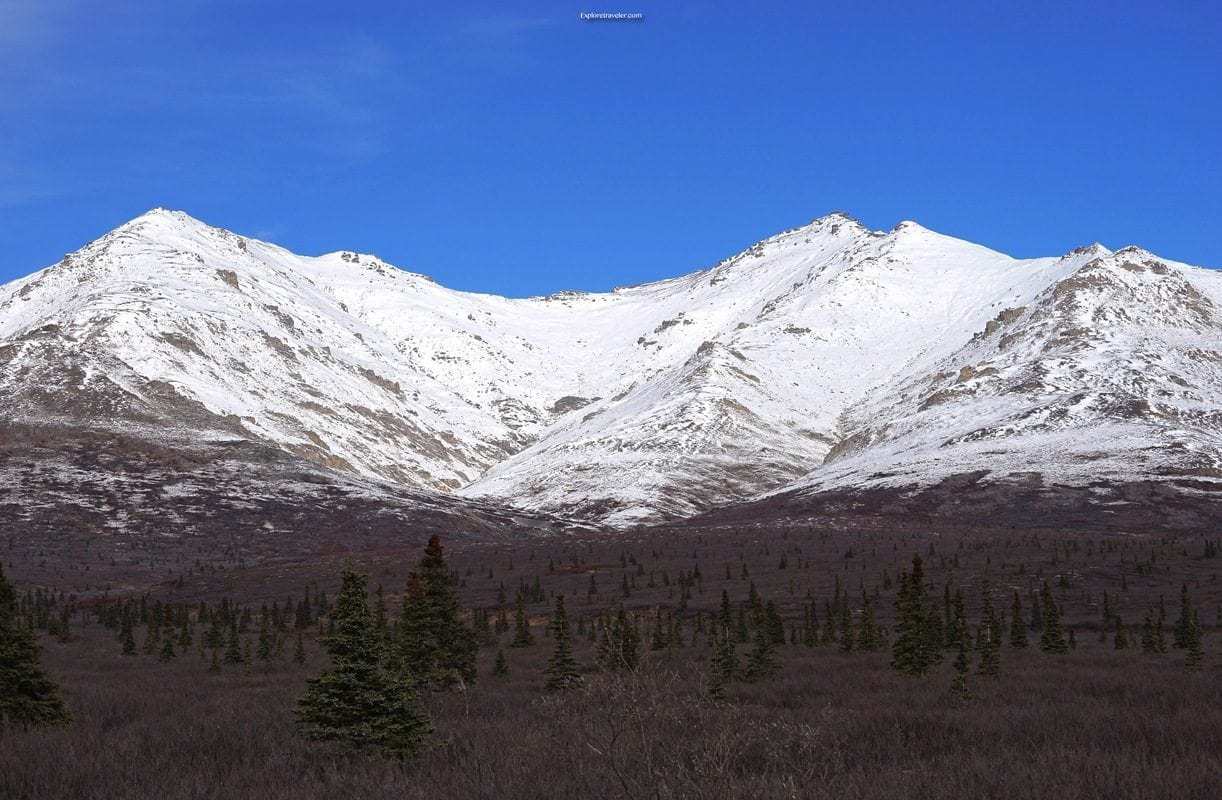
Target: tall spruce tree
1183,625
911,651
761,661
434,646
989,638
1194,656
869,637
1018,628
358,701
233,646
562,671
126,636
1052,637
723,666
522,636
962,665
27,695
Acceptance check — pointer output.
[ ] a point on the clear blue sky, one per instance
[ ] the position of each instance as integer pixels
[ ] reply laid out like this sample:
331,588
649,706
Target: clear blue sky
517,149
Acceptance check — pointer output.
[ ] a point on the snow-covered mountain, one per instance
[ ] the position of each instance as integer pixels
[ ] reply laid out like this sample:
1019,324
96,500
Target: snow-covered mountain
825,357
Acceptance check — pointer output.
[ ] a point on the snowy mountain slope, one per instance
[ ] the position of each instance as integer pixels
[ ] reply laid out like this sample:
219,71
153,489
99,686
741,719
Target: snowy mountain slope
1112,373
829,348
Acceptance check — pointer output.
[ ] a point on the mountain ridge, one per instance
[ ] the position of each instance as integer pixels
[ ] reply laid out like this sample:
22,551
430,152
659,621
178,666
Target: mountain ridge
813,359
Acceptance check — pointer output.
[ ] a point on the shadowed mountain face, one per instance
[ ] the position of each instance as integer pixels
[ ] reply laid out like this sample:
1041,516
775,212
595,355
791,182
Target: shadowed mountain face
829,359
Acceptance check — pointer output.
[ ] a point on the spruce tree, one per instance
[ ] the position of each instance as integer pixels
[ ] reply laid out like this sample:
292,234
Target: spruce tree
264,649
357,700
847,640
725,613
522,636
1121,639
562,672
1160,633
435,647
299,650
27,696
989,638
773,623
127,637
233,646
869,638
761,661
1183,625
167,650
962,665
723,666
1147,635
1193,644
911,651
1052,637
500,667
1018,629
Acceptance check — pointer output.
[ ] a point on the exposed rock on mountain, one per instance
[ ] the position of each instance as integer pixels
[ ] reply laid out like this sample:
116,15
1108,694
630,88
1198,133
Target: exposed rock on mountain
826,358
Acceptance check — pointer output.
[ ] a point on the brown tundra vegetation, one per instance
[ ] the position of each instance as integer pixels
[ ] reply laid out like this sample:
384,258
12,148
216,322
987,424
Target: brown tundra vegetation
829,721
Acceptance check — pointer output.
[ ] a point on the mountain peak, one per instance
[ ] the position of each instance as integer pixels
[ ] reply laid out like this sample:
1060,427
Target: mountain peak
822,335
164,216
1093,250
909,226
834,220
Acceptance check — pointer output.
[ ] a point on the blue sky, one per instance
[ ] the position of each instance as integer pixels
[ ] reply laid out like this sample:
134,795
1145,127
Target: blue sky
516,149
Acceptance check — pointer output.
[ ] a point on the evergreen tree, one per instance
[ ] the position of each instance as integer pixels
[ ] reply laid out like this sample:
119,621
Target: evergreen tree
522,636
847,639
435,647
1193,644
723,667
562,672
299,650
911,651
501,667
1018,630
619,648
127,637
167,650
1147,635
27,696
869,638
742,632
264,650
1183,625
773,623
233,646
357,700
725,613
761,661
961,664
1160,633
1121,639
1052,637
989,638
215,666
